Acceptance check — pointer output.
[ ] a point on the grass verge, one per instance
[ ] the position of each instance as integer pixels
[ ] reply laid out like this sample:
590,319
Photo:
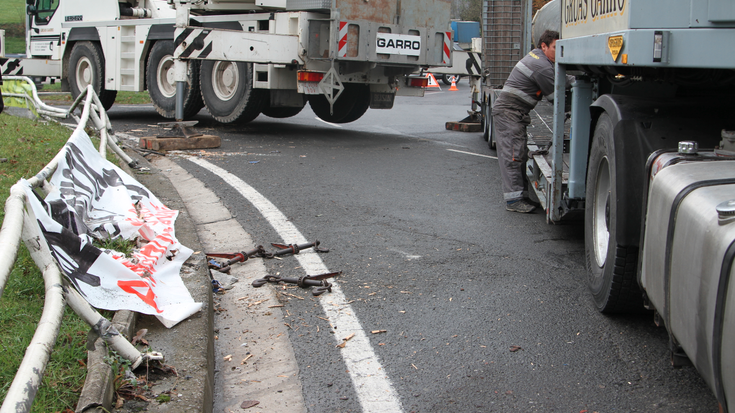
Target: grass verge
28,145
123,97
12,11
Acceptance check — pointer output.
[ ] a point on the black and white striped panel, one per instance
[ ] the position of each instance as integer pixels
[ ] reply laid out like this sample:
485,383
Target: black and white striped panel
193,43
473,63
11,67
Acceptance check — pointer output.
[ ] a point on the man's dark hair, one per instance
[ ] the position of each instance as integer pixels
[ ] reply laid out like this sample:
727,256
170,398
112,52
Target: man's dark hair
548,37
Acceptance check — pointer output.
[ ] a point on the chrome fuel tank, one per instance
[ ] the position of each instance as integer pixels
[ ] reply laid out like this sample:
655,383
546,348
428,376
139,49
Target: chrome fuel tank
687,265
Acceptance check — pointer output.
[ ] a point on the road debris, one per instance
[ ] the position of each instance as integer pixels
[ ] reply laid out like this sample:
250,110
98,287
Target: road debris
306,281
345,340
260,252
139,337
378,331
513,349
249,403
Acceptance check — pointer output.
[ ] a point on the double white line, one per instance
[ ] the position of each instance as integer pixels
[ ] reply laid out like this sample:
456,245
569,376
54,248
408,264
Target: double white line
372,384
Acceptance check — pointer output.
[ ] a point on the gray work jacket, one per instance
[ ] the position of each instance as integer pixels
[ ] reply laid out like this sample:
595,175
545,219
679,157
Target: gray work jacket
531,79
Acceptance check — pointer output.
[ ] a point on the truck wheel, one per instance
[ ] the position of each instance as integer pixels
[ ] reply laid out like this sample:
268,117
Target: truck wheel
447,79
281,112
487,131
87,67
227,90
349,107
161,85
361,96
611,267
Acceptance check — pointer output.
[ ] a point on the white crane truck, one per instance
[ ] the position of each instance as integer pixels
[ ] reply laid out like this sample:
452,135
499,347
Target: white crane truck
239,58
650,165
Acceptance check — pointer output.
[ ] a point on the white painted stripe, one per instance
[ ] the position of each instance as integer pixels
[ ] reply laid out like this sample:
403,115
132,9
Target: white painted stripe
472,153
524,69
371,381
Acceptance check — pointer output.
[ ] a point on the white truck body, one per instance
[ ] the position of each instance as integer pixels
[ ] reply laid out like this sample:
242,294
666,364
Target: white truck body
651,165
374,52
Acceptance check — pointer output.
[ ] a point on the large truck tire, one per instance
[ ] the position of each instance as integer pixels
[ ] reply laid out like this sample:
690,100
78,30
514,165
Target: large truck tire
447,79
87,67
227,90
281,112
161,84
349,107
611,267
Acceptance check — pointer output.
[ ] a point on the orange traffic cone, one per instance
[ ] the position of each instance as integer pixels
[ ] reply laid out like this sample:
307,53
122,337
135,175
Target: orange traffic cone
454,83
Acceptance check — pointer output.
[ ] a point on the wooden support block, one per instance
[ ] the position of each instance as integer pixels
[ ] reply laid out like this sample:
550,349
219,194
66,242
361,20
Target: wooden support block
464,126
169,144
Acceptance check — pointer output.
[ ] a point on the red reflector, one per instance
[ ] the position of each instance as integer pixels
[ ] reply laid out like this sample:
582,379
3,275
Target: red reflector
310,76
419,82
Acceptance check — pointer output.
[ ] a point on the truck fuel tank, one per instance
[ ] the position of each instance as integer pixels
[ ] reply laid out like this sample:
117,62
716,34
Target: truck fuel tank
688,258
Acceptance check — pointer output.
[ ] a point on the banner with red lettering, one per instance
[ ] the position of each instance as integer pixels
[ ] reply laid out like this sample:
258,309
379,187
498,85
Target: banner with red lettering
92,199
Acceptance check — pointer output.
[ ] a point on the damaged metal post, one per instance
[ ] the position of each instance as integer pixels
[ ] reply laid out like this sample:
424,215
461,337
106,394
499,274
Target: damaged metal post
30,373
42,257
105,330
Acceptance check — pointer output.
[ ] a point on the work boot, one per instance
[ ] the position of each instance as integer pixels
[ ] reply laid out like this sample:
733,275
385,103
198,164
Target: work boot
521,206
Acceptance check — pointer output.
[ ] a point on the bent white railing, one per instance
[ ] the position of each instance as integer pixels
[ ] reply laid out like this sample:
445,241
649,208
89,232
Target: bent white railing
20,223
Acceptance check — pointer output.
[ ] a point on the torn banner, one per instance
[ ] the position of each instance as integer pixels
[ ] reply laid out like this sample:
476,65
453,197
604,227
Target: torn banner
94,198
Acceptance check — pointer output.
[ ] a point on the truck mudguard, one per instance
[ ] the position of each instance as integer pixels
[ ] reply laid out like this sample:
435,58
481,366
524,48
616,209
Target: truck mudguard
84,33
642,126
161,32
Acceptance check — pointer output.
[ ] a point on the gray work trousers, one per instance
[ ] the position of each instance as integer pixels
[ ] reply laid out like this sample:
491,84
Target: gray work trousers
509,124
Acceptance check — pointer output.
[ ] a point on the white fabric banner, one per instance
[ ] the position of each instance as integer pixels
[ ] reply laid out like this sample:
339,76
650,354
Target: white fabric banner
92,198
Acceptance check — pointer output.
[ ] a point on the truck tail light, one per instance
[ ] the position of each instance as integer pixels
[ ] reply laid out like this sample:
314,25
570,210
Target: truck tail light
304,76
418,81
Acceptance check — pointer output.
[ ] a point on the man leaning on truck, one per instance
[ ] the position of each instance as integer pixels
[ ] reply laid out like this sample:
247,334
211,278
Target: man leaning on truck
531,79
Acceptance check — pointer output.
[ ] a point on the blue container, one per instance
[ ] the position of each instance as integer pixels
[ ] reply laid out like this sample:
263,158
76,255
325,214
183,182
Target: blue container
465,31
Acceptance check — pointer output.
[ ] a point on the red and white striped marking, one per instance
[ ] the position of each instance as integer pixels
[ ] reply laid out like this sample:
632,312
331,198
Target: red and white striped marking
342,50
447,47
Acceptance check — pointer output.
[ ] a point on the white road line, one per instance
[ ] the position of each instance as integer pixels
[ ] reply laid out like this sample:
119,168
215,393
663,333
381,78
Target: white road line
371,382
472,153
405,254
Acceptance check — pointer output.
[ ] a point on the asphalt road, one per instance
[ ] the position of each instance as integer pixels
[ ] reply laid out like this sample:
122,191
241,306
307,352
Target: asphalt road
416,223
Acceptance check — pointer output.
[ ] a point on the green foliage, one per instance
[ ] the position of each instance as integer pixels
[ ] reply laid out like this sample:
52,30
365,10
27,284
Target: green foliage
15,45
12,11
472,11
28,145
116,244
163,398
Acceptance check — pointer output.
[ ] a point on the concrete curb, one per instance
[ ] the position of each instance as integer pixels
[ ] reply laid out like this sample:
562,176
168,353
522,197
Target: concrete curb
188,347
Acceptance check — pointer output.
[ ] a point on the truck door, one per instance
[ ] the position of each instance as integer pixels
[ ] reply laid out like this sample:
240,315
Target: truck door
43,34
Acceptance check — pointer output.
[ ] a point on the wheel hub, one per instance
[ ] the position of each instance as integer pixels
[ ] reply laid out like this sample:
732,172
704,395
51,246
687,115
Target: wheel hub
166,83
225,80
601,212
84,73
